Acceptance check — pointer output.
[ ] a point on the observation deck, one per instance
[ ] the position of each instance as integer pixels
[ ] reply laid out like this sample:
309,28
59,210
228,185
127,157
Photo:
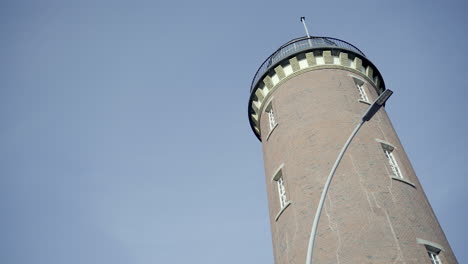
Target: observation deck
300,55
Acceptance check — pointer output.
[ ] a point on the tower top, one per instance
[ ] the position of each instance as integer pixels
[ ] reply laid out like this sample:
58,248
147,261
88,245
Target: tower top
305,54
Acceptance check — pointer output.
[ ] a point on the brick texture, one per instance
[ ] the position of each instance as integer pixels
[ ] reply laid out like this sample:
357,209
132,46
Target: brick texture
368,216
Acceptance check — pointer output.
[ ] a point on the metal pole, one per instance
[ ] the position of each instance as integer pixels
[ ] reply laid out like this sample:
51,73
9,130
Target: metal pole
378,103
324,193
306,30
305,27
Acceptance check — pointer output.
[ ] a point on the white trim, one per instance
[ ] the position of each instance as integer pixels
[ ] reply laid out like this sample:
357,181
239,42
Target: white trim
362,92
281,192
434,257
271,131
277,171
403,180
356,77
430,244
393,163
272,118
354,69
362,101
388,150
281,188
288,203
433,250
386,143
360,85
268,103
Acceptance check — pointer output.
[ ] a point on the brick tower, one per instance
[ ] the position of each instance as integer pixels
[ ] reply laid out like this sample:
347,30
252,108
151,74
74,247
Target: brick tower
305,100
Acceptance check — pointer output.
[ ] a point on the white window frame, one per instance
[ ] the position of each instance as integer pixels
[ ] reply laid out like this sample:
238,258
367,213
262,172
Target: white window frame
433,250
392,161
281,188
361,89
281,192
396,173
278,178
362,92
271,117
434,257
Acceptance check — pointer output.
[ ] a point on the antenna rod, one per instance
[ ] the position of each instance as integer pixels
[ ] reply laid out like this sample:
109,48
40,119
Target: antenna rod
305,27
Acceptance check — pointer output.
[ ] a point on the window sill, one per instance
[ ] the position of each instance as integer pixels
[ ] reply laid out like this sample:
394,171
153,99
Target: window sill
364,102
432,245
271,131
282,210
403,181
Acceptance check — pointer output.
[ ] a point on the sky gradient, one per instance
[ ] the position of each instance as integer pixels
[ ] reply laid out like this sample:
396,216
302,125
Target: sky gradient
124,135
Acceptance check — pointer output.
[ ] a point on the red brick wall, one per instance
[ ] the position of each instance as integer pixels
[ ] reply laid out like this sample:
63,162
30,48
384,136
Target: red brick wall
368,216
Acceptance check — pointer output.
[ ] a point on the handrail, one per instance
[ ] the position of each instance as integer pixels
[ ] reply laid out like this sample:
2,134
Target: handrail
301,44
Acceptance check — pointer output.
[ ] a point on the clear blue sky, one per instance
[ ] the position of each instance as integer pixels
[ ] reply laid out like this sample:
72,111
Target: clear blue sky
124,135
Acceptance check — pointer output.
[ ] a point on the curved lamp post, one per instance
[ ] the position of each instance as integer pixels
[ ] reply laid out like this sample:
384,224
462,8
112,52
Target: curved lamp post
366,117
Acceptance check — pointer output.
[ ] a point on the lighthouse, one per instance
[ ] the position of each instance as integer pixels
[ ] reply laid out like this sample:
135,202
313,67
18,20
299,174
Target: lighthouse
305,100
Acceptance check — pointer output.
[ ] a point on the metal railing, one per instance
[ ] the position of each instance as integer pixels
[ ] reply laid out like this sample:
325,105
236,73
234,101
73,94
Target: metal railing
301,44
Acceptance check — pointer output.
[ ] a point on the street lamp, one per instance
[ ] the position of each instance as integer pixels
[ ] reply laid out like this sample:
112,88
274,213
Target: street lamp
366,117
